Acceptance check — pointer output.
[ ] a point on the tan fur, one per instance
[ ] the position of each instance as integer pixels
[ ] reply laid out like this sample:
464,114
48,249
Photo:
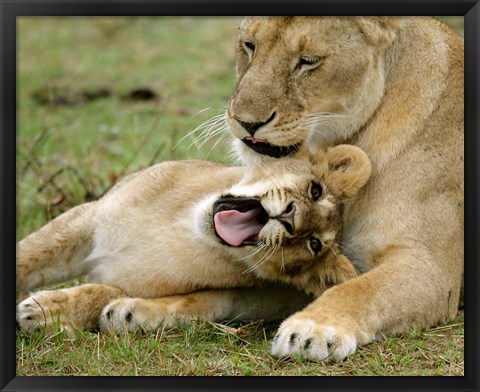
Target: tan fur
394,87
151,255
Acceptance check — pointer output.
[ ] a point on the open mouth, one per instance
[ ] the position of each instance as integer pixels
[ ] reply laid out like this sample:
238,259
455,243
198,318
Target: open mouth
239,220
269,149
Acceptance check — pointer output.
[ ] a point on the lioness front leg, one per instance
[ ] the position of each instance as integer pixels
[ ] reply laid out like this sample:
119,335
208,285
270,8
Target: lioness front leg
75,307
267,303
356,312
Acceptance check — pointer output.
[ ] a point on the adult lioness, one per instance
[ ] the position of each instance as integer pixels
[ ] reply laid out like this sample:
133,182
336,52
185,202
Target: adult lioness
180,227
394,87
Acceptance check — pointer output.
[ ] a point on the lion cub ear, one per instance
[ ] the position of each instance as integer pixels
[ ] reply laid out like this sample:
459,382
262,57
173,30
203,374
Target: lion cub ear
346,170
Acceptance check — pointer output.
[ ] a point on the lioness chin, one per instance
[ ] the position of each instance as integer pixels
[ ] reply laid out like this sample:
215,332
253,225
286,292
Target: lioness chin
394,87
194,240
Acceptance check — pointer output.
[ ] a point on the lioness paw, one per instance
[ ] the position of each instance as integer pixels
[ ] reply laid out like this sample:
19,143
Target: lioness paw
313,341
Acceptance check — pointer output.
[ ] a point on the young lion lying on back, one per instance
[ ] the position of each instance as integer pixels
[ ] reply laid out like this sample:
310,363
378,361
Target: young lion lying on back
194,239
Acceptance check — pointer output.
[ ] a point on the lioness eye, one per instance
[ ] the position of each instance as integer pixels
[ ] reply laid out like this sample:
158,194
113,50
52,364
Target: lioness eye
310,62
315,191
315,245
249,46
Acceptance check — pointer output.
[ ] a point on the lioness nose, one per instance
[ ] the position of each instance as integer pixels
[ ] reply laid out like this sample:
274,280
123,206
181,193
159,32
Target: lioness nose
251,128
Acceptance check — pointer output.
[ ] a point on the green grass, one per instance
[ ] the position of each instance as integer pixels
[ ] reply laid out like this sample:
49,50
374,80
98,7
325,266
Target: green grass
210,349
70,153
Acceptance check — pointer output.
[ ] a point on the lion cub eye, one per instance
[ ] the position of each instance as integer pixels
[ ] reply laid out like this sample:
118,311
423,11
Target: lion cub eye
315,191
315,245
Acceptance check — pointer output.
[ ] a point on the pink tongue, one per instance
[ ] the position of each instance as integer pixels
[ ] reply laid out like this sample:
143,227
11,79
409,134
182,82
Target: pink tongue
234,226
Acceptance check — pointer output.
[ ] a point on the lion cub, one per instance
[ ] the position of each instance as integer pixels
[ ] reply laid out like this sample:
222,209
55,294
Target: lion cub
194,239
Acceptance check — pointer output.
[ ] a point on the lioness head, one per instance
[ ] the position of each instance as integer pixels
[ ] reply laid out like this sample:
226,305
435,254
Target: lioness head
306,81
285,216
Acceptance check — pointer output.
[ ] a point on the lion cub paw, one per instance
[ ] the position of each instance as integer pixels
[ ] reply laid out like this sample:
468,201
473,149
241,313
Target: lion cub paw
313,341
133,314
44,309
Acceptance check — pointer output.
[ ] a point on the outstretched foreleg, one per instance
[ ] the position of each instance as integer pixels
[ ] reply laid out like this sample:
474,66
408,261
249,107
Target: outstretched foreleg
267,303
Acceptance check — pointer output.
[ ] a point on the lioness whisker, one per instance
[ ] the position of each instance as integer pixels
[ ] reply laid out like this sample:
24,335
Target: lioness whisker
188,135
323,117
318,132
220,140
204,127
206,137
208,126
209,133
209,108
316,119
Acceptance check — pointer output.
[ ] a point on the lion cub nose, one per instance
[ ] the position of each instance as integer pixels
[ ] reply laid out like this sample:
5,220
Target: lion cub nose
251,128
288,218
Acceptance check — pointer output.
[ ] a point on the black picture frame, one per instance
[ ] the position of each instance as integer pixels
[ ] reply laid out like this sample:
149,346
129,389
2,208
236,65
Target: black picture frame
11,9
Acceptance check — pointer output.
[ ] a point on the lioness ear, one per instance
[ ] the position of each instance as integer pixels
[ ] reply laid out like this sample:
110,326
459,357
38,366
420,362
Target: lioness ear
348,169
380,30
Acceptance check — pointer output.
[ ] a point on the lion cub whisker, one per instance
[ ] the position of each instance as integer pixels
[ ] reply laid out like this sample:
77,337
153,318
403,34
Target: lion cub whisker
259,247
265,258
